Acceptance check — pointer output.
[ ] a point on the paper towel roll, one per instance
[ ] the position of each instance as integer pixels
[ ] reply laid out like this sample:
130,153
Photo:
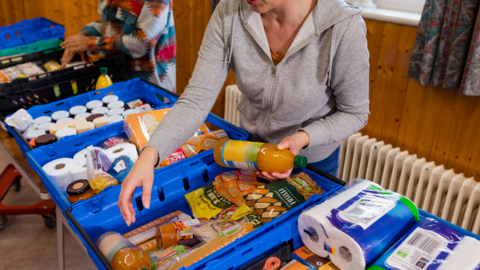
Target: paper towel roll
94,104
59,170
116,104
84,127
81,157
56,127
109,99
79,172
101,110
64,132
102,121
82,115
59,115
75,122
126,149
65,120
356,226
77,110
42,119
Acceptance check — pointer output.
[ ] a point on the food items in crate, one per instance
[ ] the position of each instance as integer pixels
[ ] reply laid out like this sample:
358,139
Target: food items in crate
171,234
77,110
256,156
206,203
64,132
93,117
104,80
21,70
120,168
75,122
164,258
34,134
109,99
94,104
100,110
52,66
83,115
121,253
307,257
234,185
305,185
116,118
139,127
65,120
130,111
112,141
295,265
60,114
115,111
21,120
56,127
84,127
97,165
116,104
102,121
45,140
43,119
79,190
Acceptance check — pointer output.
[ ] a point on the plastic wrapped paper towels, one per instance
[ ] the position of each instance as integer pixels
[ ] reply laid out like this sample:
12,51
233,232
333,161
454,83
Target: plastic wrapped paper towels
355,227
430,245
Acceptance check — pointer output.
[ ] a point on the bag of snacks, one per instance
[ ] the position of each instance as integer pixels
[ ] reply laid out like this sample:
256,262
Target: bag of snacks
97,165
234,185
52,66
206,203
305,185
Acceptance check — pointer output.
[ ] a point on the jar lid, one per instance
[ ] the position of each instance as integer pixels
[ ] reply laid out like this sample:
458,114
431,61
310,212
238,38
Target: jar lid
45,139
77,121
59,115
116,104
109,99
65,120
43,119
115,111
130,111
116,118
35,133
94,116
94,104
45,126
78,187
102,110
82,115
78,109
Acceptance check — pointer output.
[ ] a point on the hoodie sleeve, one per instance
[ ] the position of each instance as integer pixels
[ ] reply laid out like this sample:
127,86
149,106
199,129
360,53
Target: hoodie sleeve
193,106
349,82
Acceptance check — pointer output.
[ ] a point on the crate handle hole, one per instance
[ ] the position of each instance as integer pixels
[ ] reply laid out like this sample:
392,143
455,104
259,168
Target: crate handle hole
97,93
186,185
93,134
78,144
161,194
139,203
47,112
210,163
250,249
61,103
205,176
194,163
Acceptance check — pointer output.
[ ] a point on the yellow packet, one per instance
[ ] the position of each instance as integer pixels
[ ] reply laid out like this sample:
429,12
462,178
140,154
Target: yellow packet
206,203
242,211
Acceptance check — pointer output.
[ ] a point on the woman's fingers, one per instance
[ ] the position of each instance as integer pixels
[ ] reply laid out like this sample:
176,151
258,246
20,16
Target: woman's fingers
67,57
283,175
125,201
147,192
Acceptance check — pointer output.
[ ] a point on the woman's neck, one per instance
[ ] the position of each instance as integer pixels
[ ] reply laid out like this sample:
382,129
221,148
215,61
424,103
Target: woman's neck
290,13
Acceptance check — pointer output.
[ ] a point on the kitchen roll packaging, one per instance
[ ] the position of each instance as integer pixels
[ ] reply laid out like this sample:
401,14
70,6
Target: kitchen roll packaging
355,227
430,245
124,149
59,170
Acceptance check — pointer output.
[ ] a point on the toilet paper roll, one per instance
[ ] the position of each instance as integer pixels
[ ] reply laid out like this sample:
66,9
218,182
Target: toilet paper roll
124,149
81,157
100,110
34,133
430,244
65,120
116,104
64,132
94,104
84,127
82,115
59,115
116,118
102,121
79,172
75,122
356,226
56,127
42,119
115,111
45,126
109,99
77,110
59,171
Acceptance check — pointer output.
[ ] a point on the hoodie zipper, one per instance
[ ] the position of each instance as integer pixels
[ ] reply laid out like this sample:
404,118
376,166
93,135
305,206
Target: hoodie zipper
269,94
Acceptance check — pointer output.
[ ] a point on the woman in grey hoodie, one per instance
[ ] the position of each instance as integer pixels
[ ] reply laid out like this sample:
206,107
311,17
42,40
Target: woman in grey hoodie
302,67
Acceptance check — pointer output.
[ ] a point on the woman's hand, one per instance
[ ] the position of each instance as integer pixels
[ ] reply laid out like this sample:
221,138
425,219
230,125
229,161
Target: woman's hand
68,56
77,43
141,175
294,143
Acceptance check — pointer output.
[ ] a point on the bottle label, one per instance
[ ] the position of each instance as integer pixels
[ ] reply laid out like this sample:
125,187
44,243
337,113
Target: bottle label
112,243
240,154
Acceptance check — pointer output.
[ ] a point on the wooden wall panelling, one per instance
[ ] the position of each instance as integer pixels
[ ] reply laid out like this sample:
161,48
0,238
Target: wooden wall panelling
398,85
381,88
11,12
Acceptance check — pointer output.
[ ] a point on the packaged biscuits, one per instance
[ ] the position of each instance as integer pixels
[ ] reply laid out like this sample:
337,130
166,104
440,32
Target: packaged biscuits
234,185
140,126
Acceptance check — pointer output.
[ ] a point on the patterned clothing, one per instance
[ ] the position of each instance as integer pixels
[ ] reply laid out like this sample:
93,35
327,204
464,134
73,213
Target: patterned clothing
144,31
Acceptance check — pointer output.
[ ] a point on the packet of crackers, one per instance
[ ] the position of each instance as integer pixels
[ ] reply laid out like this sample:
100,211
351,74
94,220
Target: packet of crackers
234,185
140,126
196,144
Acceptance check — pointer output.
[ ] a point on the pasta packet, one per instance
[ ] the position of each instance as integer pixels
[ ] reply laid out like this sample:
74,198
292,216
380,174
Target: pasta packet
234,185
206,203
305,185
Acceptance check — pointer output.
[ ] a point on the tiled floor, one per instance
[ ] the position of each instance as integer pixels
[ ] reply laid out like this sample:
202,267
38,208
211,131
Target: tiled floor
27,244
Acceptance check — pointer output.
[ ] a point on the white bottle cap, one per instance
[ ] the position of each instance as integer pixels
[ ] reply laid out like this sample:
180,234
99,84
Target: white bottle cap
59,115
100,110
82,115
110,99
116,104
94,104
45,126
77,110
130,111
35,133
64,120
42,119
115,111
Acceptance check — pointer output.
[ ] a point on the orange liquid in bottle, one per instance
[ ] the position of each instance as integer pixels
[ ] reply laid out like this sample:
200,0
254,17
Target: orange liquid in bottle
104,80
256,156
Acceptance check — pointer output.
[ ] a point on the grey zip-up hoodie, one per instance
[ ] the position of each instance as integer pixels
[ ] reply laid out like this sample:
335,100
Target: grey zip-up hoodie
320,87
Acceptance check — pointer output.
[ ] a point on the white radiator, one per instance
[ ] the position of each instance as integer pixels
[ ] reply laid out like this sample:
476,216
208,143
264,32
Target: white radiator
431,187
232,98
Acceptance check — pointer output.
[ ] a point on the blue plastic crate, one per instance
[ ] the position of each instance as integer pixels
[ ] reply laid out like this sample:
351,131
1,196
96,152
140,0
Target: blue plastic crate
92,218
126,91
29,31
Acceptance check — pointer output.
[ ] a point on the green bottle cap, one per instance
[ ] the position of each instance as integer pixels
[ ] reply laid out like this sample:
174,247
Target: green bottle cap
103,70
300,162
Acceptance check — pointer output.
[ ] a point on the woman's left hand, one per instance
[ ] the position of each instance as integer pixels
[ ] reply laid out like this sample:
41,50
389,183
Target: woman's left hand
77,43
294,143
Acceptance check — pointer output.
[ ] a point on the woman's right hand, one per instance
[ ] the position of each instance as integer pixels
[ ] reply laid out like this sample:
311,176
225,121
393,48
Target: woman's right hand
141,175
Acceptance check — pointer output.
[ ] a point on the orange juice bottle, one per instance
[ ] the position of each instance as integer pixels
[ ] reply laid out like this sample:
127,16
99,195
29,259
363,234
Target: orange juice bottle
104,80
256,156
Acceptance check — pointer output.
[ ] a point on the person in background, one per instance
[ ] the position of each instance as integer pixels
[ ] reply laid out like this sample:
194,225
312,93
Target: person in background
142,29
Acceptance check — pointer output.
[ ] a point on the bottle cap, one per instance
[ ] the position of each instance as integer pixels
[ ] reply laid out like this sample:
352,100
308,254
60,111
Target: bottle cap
103,70
78,109
100,110
59,115
82,115
300,162
109,99
94,104
116,104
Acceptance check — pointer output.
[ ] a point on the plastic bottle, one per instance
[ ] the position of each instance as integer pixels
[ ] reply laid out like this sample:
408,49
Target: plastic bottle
121,253
256,156
104,80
